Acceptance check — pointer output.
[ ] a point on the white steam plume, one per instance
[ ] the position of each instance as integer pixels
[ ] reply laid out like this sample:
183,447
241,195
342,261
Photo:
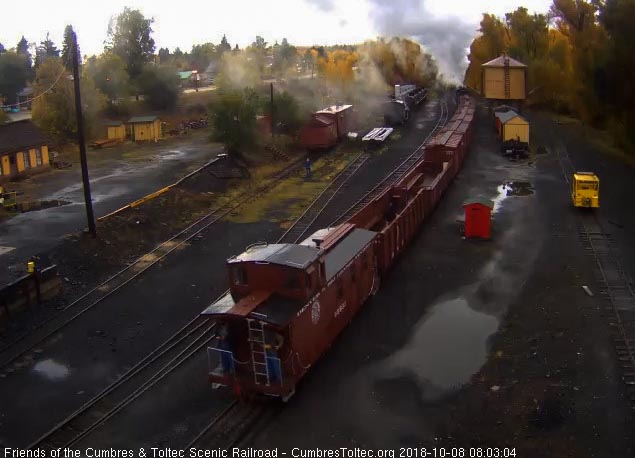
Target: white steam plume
446,38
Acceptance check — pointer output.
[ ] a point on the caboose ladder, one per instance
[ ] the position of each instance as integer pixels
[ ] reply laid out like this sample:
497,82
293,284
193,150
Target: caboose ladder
258,353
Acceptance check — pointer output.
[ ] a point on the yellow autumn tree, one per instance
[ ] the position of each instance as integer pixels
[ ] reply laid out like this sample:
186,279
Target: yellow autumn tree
337,66
400,60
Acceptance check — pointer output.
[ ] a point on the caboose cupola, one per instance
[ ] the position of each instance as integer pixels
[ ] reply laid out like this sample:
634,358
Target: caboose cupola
285,269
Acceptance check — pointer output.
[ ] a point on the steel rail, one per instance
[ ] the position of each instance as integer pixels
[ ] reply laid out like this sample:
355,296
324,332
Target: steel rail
125,390
239,417
302,224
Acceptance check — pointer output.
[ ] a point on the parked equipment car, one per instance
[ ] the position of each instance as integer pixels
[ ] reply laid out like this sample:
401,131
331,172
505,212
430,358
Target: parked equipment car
585,190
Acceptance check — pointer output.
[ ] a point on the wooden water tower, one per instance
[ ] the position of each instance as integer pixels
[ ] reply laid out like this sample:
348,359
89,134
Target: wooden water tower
504,78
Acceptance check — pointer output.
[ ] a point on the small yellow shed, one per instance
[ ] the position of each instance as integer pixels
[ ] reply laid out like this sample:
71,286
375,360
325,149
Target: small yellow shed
504,78
512,126
115,130
143,128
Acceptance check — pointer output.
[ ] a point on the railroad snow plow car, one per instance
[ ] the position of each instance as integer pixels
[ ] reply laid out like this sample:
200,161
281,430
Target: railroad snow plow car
287,303
327,127
585,190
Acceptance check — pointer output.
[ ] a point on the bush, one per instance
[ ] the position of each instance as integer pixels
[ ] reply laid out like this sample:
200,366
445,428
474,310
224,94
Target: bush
160,86
234,119
286,114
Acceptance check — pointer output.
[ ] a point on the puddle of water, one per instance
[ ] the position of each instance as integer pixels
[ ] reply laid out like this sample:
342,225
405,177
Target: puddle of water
509,189
518,188
171,155
447,348
6,249
51,370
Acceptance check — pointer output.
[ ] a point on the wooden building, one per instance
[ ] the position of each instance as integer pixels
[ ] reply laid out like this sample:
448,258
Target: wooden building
504,78
115,130
23,148
512,126
143,128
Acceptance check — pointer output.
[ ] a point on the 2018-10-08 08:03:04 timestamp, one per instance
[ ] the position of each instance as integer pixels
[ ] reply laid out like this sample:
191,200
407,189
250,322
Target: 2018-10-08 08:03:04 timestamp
457,452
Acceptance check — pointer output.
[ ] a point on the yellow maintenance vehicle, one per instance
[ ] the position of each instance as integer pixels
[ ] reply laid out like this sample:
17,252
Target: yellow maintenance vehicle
585,190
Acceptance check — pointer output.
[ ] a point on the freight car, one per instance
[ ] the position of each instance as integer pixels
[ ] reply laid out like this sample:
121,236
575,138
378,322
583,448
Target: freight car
327,127
287,303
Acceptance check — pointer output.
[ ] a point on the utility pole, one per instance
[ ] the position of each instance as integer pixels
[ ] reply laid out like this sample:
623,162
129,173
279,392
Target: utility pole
81,141
272,121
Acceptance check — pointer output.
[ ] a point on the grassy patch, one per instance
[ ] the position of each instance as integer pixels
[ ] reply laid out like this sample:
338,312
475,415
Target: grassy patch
290,197
602,140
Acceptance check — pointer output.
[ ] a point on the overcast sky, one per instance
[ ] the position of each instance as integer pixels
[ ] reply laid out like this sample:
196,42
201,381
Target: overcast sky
303,22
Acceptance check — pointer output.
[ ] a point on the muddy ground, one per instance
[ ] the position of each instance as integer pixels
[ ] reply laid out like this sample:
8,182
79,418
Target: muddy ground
480,344
119,175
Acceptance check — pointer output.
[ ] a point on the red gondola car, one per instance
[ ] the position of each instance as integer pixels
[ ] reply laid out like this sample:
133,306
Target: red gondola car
288,303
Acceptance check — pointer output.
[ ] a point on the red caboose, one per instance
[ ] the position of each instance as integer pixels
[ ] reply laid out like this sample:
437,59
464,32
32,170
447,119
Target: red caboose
287,304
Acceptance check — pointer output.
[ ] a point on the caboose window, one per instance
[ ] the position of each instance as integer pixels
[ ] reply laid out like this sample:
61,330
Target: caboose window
293,282
239,275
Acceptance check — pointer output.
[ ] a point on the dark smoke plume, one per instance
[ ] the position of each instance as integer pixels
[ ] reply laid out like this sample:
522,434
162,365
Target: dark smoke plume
447,39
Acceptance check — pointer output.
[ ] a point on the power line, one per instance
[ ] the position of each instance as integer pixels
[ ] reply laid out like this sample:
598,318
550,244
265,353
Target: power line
44,92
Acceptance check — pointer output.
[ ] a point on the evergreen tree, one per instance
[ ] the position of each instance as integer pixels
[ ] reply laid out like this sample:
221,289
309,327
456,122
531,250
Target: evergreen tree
46,49
67,48
13,75
22,49
49,48
130,38
224,46
164,55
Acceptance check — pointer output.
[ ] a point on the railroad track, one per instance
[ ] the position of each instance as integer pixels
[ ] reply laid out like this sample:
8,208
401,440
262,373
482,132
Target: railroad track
297,231
24,345
229,428
234,422
396,173
616,297
191,339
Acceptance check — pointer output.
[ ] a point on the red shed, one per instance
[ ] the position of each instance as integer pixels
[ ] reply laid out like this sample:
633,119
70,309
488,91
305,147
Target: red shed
478,219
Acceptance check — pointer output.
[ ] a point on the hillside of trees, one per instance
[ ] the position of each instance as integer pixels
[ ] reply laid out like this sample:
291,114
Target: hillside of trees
578,60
